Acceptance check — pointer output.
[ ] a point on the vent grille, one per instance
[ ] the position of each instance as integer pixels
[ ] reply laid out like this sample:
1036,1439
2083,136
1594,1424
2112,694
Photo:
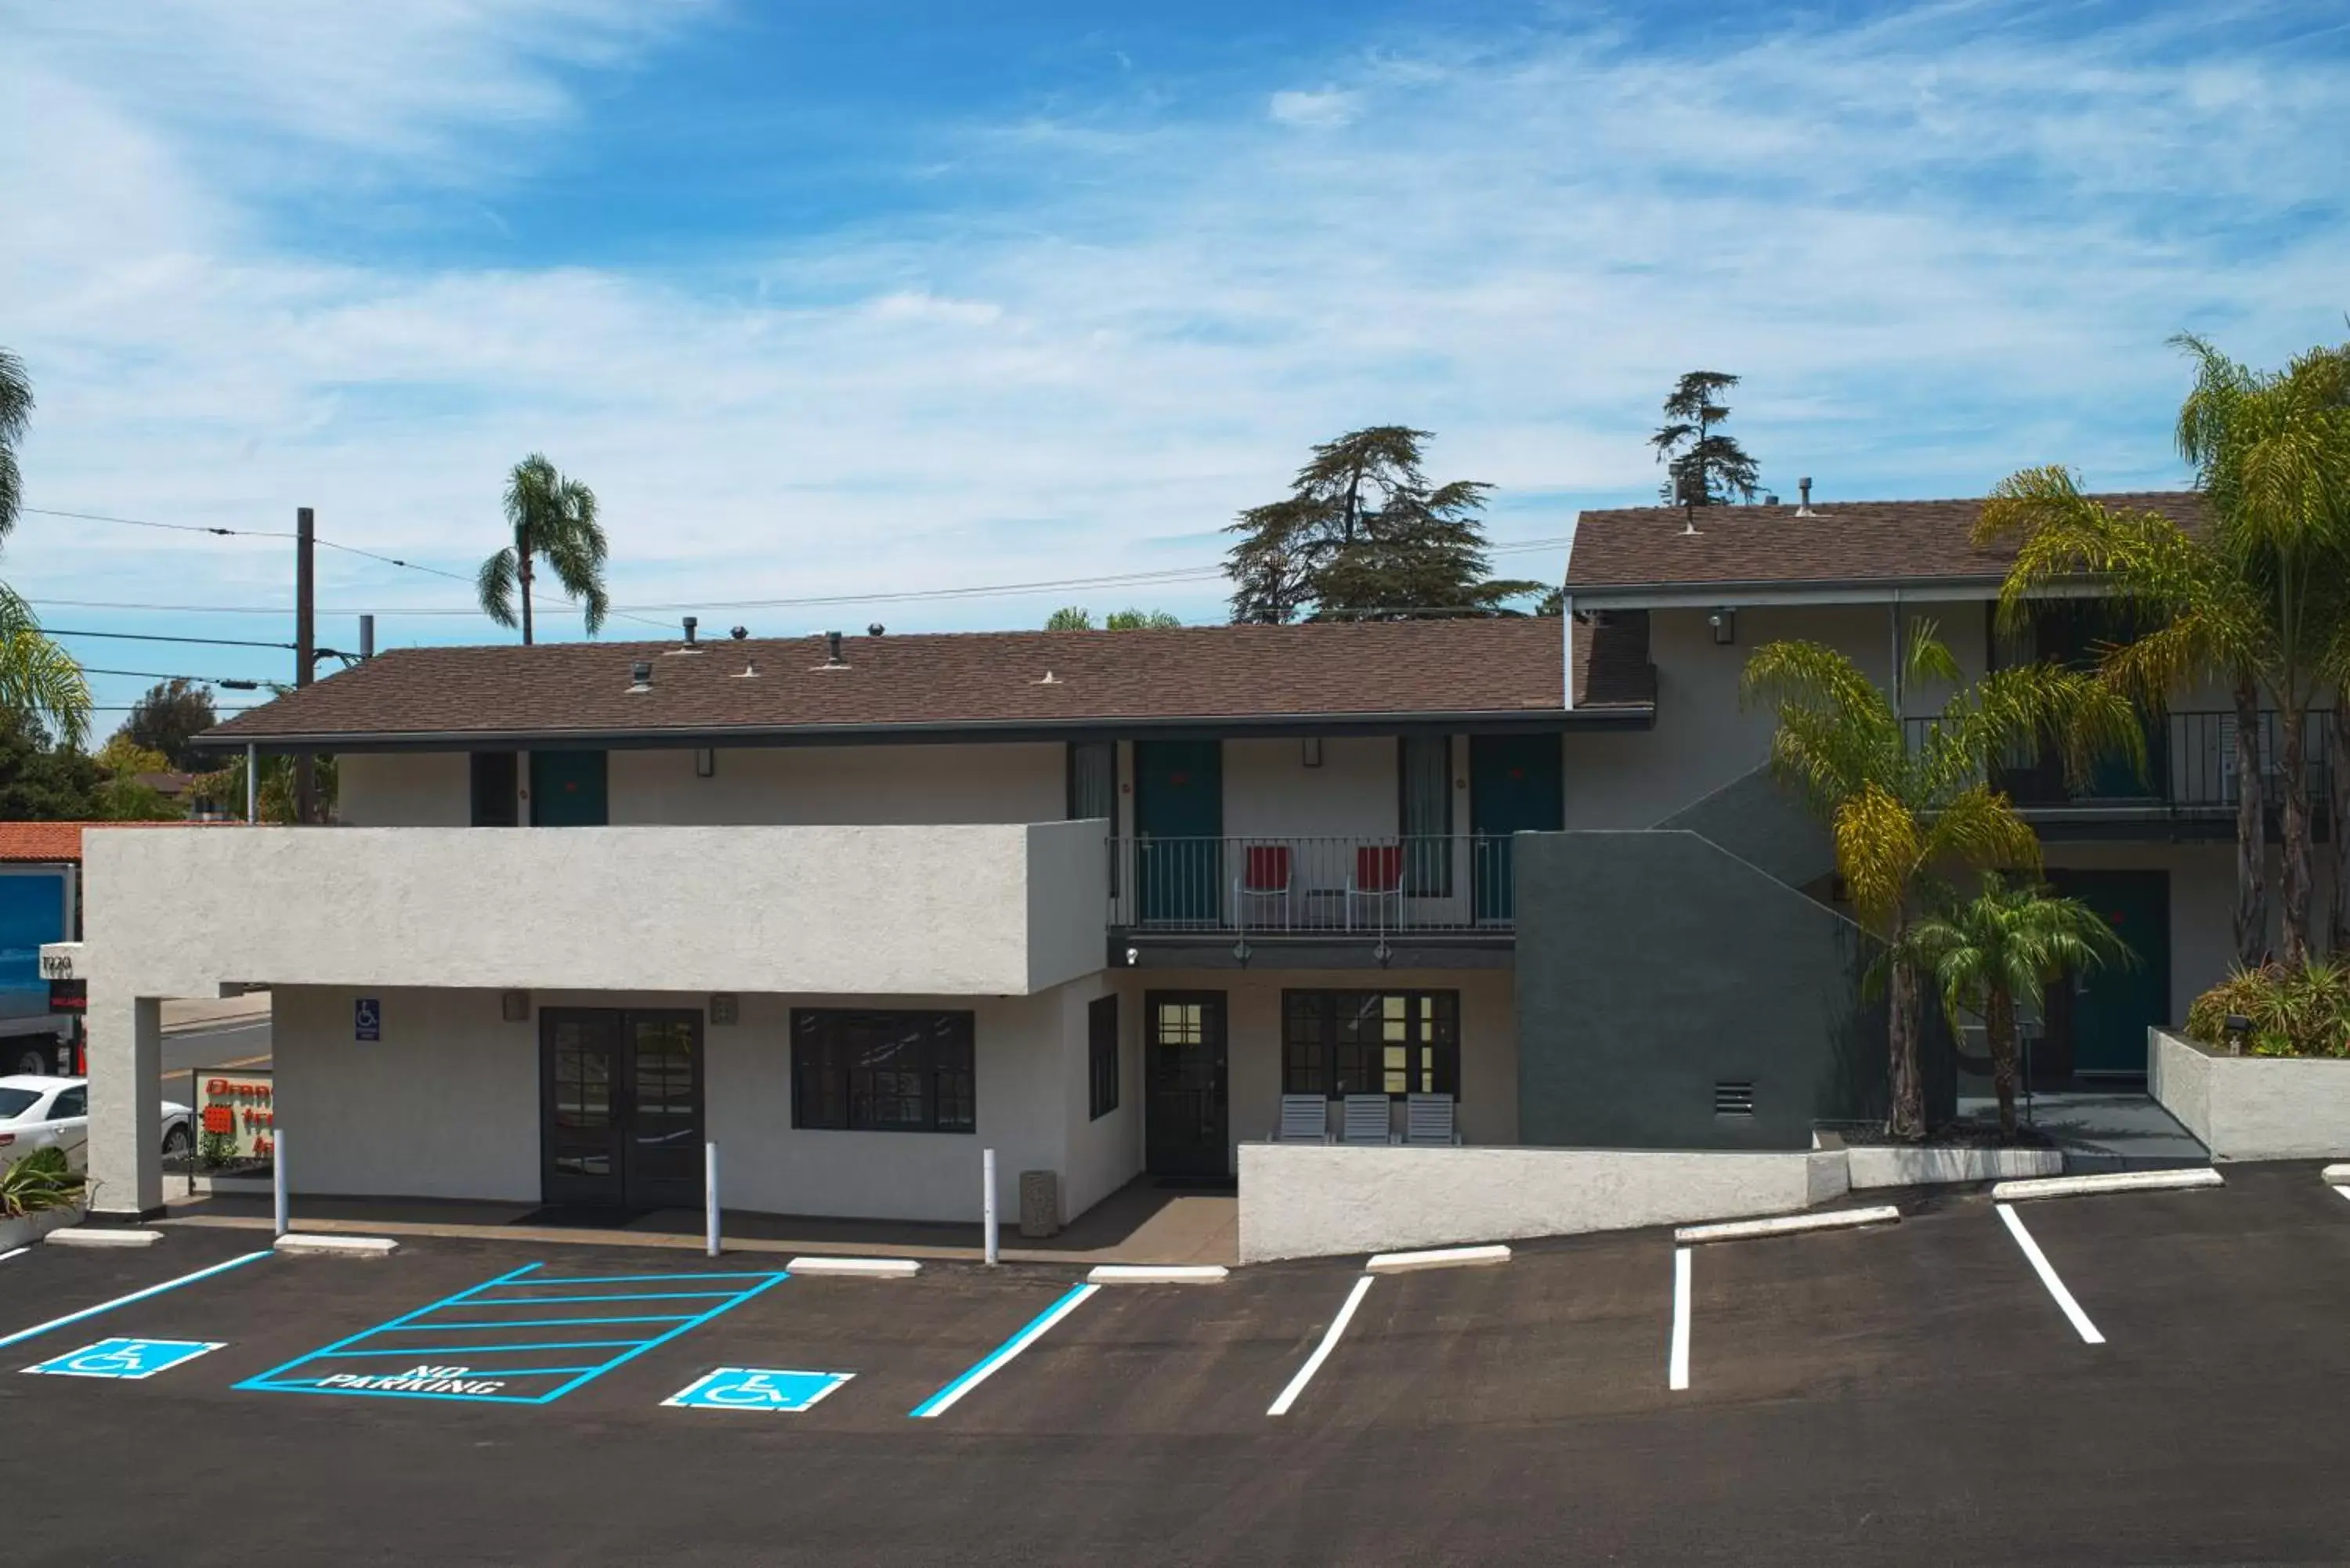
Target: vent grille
1733,1099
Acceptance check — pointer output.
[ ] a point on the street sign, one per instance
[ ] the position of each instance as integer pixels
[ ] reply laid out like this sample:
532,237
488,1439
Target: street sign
753,1388
125,1359
367,1018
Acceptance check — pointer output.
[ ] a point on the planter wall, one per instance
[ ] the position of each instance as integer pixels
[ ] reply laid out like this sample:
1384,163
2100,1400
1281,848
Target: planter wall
24,1233
2253,1107
1879,1167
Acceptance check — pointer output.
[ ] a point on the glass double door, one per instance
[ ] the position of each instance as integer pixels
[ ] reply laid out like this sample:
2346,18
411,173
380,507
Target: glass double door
621,1106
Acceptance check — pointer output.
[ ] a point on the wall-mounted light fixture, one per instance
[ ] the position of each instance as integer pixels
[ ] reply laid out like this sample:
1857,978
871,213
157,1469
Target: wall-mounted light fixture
705,763
1313,751
514,1006
1724,623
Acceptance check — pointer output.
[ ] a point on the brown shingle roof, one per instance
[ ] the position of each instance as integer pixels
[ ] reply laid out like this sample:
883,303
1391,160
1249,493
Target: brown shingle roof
1845,541
1244,673
1611,661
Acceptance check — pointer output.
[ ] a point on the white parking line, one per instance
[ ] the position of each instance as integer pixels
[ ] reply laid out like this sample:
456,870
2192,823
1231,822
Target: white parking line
1322,1351
2338,1192
1677,1373
2039,1261
18,1253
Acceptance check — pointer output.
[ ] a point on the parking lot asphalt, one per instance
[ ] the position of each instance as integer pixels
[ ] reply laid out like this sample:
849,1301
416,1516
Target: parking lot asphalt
1909,1394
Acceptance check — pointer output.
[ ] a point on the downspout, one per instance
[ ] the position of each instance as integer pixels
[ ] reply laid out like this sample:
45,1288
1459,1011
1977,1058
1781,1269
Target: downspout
251,783
1900,702
1567,651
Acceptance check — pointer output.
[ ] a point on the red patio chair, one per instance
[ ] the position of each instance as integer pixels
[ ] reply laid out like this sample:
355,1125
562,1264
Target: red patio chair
1379,877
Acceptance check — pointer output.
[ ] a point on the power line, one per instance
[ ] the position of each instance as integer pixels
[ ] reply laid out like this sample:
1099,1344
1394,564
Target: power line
159,637
228,683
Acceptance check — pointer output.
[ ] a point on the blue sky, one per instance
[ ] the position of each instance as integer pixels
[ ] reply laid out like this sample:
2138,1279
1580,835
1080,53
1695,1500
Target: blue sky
833,299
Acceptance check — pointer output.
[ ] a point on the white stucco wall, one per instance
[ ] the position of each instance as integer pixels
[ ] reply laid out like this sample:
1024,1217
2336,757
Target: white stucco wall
446,1104
844,784
978,909
421,789
1105,1153
1301,1200
769,785
1702,739
2253,1107
1269,792
1487,1111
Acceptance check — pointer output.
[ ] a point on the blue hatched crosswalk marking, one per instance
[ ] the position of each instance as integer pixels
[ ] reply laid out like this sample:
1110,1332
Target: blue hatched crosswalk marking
461,1360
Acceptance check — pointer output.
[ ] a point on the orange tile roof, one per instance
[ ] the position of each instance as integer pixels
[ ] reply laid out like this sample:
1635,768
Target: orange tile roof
23,842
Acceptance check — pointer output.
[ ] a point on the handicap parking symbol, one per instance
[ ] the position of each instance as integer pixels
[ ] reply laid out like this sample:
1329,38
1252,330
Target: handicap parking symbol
754,1388
131,1358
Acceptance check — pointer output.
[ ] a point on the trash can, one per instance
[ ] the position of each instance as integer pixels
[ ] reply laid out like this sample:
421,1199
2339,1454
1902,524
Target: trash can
1040,1203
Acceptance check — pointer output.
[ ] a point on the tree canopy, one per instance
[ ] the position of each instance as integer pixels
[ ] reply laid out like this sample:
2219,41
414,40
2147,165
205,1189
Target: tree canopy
1077,617
167,720
1703,467
42,779
1364,536
15,414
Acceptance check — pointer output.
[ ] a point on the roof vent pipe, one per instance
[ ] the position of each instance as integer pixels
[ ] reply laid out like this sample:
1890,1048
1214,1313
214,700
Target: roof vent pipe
640,676
691,622
1803,506
832,659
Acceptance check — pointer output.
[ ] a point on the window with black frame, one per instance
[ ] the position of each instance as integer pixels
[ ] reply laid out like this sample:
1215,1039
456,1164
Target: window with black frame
1392,1043
855,1070
1101,1053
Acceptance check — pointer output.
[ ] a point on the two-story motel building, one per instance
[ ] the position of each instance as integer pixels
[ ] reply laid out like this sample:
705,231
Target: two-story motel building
852,908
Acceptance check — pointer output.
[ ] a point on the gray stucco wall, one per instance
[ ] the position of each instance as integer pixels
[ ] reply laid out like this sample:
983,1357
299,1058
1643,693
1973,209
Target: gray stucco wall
1762,821
1652,965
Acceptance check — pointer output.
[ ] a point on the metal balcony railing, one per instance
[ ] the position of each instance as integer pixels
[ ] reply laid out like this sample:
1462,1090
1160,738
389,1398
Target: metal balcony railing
2190,767
1324,886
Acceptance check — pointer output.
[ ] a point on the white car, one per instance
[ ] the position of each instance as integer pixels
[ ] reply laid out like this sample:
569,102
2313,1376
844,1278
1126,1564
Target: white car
40,1112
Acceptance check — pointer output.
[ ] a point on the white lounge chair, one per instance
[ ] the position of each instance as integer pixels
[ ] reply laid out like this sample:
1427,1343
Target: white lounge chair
1366,1120
1428,1121
1305,1119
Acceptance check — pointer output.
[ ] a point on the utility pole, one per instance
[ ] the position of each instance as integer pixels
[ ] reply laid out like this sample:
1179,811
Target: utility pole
306,789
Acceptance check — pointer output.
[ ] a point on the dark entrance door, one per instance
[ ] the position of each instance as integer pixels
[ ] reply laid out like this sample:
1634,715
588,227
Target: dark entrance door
621,1106
2111,1007
568,789
1516,785
1179,824
1186,1125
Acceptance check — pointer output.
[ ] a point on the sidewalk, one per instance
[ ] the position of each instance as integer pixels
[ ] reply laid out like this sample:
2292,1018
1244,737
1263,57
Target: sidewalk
1138,1224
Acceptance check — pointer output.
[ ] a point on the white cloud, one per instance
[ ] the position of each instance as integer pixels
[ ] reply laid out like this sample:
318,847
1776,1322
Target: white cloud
1323,108
1937,248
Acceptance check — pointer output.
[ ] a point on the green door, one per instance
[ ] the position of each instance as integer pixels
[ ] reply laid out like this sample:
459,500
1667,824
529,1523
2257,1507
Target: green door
1179,824
1516,785
2113,1005
566,789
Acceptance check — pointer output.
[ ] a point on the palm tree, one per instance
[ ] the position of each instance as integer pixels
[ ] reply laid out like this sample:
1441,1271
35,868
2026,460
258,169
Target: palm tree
555,518
2000,950
36,675
15,414
39,677
2255,601
1898,806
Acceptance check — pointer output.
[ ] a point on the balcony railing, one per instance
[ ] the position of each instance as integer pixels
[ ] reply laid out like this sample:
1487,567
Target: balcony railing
1364,887
2191,768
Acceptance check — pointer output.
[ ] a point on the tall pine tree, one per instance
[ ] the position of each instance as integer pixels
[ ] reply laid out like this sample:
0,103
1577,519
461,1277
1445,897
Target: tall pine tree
1362,535
1702,466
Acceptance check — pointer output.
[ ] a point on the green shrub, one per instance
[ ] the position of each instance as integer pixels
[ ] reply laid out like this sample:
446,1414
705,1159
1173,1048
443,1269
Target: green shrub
216,1149
40,1180
2293,1013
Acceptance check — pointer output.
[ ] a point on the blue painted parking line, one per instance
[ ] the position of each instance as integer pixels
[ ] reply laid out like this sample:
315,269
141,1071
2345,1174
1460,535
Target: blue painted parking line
993,1361
130,1360
472,1359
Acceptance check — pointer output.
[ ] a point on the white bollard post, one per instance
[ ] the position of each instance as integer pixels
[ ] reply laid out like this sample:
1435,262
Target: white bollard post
987,1202
277,1177
710,1197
